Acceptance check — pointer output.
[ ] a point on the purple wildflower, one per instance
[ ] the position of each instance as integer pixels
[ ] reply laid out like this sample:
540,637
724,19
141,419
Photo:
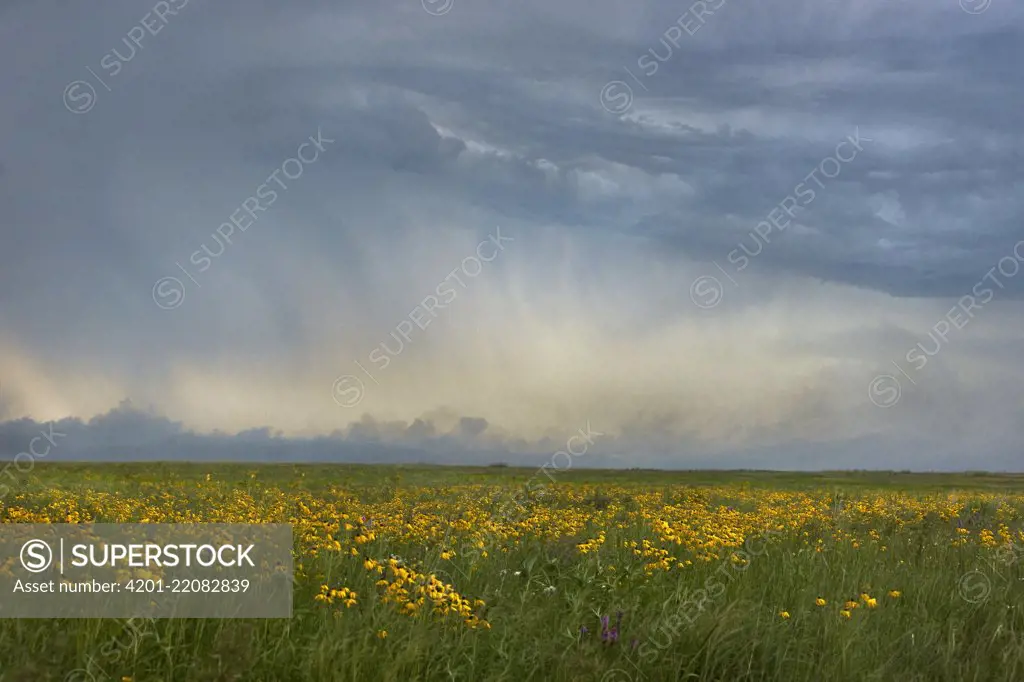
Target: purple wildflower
610,635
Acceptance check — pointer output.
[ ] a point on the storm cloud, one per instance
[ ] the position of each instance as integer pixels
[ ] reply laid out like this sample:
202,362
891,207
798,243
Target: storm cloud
723,233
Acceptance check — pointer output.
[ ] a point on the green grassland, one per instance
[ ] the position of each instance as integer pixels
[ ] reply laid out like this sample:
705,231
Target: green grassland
947,587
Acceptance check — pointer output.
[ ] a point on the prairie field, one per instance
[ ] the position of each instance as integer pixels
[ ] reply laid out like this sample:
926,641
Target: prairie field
496,573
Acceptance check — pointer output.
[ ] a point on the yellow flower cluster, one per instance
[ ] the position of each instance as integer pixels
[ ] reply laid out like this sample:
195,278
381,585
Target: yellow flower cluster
411,591
344,595
592,545
662,560
672,528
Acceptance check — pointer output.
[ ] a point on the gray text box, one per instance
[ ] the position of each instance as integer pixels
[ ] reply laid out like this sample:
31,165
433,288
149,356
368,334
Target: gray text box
145,570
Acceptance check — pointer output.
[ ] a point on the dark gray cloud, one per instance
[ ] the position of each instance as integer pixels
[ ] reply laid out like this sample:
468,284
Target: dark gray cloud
443,128
127,433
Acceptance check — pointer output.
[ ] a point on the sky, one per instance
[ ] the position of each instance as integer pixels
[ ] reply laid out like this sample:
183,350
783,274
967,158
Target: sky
773,235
